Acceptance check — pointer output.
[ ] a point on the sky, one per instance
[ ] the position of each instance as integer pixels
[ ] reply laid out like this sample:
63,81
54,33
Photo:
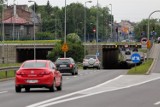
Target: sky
132,10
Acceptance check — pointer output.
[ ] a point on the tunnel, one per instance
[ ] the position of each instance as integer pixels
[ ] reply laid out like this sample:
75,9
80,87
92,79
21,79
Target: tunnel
111,60
28,54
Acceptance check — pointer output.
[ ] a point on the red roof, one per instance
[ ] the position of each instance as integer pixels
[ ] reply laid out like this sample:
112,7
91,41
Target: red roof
16,20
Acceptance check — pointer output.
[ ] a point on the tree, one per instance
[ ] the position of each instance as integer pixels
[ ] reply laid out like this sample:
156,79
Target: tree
76,49
141,29
48,8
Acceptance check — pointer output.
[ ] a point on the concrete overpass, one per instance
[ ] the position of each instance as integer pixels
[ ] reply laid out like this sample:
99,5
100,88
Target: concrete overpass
109,54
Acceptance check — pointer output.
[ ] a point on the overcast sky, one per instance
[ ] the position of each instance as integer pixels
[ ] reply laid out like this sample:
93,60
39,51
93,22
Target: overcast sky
133,10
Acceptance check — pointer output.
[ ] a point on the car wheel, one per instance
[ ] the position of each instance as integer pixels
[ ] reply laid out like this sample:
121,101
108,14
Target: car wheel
52,88
77,73
98,67
18,89
84,68
59,88
73,73
27,89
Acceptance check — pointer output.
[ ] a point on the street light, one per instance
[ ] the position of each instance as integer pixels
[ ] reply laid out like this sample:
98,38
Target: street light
97,23
85,25
2,33
65,29
34,30
111,22
148,30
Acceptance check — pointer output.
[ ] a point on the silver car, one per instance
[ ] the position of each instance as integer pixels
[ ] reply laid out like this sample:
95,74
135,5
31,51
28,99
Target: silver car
91,61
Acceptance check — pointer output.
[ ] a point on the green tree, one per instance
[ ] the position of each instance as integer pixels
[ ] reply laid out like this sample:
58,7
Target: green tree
48,8
141,29
76,49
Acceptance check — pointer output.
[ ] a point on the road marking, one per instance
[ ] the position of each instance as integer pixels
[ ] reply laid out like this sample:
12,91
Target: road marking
68,95
157,103
82,94
1,92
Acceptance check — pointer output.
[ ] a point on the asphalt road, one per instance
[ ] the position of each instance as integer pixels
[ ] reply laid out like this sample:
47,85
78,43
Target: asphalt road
71,84
92,88
145,95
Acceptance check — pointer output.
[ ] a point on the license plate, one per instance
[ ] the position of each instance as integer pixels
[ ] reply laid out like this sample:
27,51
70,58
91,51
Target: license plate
63,65
32,81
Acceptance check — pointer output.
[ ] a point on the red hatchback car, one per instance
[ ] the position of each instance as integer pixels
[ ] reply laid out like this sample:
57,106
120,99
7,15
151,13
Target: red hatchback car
38,74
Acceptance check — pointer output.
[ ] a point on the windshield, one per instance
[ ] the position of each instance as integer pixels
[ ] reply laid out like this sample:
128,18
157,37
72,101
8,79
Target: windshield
34,64
63,61
90,56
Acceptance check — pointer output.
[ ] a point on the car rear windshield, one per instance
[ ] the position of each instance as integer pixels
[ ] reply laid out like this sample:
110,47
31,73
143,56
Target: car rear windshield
34,65
90,56
63,61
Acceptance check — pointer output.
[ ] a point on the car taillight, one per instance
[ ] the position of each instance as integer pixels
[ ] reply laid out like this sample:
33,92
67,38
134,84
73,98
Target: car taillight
44,73
84,60
97,61
71,65
21,74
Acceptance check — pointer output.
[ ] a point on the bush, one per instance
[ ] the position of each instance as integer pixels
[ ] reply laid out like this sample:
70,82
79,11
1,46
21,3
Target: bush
44,36
75,51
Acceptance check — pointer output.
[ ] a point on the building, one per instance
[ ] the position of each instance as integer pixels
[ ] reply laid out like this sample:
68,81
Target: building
18,22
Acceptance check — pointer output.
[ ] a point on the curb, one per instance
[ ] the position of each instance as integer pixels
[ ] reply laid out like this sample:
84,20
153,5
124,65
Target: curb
6,79
150,68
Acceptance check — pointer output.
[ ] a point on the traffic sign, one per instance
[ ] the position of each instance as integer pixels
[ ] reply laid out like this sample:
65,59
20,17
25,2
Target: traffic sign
148,44
65,47
135,58
143,41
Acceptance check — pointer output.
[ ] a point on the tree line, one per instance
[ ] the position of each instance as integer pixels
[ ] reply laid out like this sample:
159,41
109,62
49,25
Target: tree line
53,19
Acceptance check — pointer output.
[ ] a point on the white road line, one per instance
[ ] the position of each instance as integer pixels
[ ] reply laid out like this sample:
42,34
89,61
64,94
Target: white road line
68,95
62,99
1,92
67,78
157,103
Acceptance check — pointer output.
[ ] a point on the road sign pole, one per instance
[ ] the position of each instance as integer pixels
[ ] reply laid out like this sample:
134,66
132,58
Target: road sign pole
135,66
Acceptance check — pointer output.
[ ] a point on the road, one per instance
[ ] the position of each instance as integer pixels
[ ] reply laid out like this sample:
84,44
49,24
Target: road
92,88
85,79
146,95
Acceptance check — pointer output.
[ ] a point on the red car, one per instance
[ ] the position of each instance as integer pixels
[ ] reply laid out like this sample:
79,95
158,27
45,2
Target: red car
38,74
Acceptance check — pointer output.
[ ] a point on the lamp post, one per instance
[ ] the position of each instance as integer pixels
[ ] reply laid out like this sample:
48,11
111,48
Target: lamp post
97,23
14,19
2,33
111,22
85,25
65,29
148,30
34,30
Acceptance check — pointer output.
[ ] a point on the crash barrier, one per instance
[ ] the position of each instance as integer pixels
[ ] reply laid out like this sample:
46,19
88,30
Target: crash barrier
4,71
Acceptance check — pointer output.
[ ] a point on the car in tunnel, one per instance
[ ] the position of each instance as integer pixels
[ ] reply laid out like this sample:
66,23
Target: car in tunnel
91,61
38,74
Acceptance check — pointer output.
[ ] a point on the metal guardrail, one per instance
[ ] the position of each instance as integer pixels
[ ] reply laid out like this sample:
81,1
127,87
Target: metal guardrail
6,69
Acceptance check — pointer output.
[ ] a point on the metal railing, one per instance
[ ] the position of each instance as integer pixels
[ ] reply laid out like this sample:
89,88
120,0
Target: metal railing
7,69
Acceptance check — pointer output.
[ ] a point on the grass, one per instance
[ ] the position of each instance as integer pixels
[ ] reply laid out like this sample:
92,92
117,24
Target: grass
8,75
9,64
32,41
141,69
143,50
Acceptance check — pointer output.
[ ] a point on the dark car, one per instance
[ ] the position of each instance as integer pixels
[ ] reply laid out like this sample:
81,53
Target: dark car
127,52
67,65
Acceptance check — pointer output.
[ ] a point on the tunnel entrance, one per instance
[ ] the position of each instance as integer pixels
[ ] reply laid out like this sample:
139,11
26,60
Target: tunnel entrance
28,54
111,59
